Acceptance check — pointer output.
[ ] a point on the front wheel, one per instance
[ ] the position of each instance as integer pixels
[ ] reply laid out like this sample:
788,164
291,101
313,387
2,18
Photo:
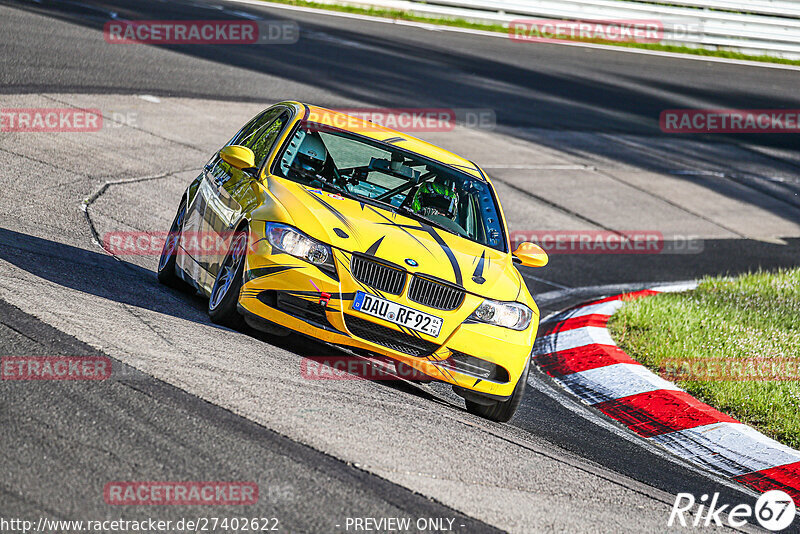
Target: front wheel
167,273
228,284
501,411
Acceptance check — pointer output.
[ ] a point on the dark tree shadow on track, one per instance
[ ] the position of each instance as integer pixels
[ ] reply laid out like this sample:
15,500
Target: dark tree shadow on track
94,273
525,89
99,274
585,91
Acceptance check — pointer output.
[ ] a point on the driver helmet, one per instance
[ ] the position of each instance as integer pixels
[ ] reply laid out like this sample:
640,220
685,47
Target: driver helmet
433,198
311,155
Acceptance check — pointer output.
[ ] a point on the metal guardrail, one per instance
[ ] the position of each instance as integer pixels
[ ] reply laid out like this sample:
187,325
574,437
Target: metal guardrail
780,8
757,27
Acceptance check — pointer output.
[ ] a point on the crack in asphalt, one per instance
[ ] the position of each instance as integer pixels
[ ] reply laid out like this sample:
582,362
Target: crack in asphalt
557,455
132,310
189,407
88,201
42,162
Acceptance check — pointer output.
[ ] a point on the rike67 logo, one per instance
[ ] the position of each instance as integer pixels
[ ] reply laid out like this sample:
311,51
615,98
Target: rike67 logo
774,510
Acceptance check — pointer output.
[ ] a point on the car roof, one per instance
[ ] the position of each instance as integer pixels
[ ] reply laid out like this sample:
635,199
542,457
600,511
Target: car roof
357,125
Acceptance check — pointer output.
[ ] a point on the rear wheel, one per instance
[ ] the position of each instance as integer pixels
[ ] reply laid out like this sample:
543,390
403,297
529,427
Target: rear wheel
228,284
501,411
167,270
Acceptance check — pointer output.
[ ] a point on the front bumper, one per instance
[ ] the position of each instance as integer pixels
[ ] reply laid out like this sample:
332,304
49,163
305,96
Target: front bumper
288,291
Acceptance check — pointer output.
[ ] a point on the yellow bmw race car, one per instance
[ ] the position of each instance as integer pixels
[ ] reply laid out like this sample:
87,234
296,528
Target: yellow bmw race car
360,235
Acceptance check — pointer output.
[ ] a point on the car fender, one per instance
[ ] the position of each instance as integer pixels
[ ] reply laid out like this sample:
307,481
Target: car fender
270,208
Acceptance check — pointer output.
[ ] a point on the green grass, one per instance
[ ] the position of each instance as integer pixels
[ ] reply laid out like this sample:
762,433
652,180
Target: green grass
726,320
461,23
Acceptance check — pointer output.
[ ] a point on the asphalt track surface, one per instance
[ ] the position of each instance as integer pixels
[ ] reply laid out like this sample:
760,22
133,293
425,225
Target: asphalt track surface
195,402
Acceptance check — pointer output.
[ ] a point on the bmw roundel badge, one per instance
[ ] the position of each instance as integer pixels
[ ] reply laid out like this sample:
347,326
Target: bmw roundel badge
411,262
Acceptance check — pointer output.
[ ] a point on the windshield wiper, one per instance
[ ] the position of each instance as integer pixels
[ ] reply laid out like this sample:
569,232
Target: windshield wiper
405,210
354,196
333,188
414,215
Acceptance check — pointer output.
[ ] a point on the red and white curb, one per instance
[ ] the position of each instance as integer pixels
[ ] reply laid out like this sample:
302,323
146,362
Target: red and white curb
577,351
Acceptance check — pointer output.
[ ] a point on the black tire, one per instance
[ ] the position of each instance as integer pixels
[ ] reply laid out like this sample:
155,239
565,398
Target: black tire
502,411
222,304
167,270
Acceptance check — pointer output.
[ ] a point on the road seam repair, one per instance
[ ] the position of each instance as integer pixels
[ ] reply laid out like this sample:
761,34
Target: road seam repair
751,182
577,351
88,201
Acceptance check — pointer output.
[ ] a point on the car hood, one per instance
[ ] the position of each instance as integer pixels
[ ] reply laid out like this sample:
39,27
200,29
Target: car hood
359,227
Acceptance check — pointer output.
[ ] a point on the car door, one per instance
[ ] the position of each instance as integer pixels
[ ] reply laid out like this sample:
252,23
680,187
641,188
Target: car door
226,191
213,205
192,260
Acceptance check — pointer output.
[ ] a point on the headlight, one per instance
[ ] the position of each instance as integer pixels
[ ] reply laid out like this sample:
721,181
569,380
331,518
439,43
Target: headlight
291,241
506,314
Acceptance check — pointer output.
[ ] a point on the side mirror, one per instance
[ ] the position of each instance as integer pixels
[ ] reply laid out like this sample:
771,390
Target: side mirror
530,255
240,157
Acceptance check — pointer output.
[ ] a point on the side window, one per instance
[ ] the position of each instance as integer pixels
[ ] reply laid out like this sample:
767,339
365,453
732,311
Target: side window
249,136
245,134
262,140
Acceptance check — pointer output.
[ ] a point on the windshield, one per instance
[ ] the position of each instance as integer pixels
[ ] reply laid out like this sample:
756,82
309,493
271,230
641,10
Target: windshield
394,179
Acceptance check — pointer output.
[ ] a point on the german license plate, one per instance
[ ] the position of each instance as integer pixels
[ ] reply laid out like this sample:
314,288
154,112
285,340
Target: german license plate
397,314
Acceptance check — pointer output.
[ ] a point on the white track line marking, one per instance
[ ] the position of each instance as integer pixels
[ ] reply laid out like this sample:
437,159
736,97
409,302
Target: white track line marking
574,405
614,382
727,449
595,292
542,280
565,167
